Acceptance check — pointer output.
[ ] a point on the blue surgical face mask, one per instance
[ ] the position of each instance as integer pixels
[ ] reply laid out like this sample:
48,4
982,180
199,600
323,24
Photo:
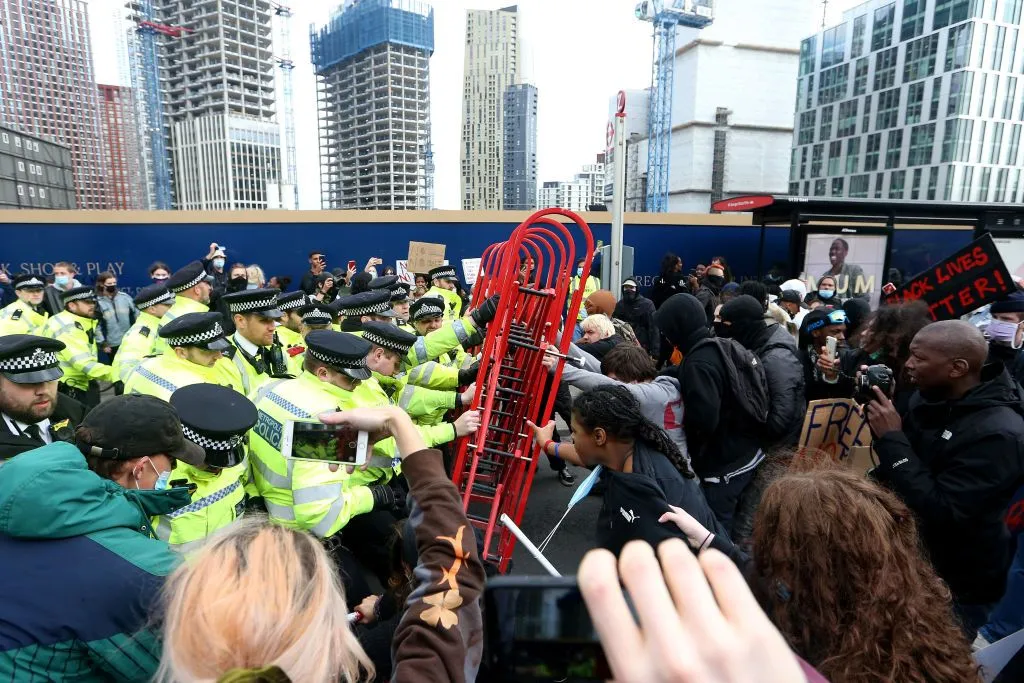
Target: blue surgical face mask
252,286
61,280
826,294
579,272
1001,331
218,263
162,479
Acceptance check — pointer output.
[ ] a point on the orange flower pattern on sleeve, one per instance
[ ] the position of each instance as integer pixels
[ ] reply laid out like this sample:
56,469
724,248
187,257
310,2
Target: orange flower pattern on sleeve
443,605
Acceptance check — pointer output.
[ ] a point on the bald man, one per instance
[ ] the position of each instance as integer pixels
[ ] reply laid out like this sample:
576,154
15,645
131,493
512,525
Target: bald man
956,458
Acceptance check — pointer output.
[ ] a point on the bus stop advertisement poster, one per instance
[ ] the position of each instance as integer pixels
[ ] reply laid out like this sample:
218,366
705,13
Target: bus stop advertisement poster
1012,251
855,261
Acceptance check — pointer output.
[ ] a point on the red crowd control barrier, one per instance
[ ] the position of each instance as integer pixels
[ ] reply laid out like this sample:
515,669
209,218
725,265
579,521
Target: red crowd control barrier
532,271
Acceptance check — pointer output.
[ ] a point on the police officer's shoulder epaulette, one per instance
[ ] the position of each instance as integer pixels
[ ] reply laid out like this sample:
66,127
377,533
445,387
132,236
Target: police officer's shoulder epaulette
16,315
144,331
79,325
230,352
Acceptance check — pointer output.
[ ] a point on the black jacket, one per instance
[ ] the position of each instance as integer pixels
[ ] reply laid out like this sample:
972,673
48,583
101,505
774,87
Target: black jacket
633,502
956,464
782,367
602,346
639,313
66,409
664,287
709,297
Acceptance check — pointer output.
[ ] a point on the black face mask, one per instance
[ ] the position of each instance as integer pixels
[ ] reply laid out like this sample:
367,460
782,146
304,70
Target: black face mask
717,281
628,295
722,330
110,289
237,284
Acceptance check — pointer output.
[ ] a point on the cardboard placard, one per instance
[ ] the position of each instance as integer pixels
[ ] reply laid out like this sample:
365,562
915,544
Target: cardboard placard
403,273
424,256
470,270
969,279
834,426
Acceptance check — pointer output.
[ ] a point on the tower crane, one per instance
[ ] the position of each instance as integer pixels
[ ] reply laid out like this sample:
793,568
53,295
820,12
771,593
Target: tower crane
282,46
667,16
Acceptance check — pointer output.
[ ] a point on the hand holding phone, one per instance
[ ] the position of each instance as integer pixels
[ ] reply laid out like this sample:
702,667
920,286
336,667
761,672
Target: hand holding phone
830,345
318,442
351,264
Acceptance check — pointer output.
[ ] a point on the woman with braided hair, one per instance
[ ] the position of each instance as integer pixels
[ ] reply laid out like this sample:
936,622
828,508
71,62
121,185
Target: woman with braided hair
642,470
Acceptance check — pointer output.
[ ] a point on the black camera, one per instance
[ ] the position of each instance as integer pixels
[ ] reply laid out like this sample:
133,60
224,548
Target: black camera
873,376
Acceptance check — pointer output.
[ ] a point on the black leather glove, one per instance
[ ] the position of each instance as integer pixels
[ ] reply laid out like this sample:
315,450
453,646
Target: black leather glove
485,314
468,376
401,506
383,497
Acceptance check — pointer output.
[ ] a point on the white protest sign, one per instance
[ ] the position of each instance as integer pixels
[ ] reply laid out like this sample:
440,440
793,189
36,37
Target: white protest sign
470,269
402,271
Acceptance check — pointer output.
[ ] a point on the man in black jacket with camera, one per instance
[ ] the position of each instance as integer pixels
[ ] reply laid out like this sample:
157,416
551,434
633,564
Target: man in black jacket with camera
956,457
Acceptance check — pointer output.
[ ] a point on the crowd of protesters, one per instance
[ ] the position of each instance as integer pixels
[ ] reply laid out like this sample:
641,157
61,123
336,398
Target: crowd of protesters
154,530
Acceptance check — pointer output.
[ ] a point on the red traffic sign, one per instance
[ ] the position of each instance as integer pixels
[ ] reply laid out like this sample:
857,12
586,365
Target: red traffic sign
620,102
745,203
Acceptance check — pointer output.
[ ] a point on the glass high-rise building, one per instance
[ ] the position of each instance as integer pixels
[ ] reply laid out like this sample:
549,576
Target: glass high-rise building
913,99
519,166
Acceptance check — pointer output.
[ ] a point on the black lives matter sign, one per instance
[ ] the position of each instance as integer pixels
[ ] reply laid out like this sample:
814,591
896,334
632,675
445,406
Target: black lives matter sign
969,279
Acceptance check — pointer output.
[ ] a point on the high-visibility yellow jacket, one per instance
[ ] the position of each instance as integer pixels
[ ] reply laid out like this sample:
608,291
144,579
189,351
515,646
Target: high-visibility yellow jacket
589,287
183,305
246,371
78,359
218,500
139,341
424,406
454,308
162,375
20,318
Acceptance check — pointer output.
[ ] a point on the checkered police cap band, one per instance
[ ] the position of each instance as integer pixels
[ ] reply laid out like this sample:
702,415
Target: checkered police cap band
382,307
167,298
255,305
427,311
211,444
79,297
190,284
448,272
337,361
39,360
198,338
291,305
316,317
31,282
399,293
386,343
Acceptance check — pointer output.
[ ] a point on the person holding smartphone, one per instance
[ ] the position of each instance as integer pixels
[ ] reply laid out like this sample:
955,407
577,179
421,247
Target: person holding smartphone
317,264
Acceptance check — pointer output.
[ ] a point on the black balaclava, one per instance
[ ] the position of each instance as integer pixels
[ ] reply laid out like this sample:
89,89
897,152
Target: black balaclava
747,321
683,321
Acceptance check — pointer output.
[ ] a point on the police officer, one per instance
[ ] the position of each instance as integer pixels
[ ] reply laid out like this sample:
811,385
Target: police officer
400,298
442,284
76,327
312,316
33,413
192,287
197,343
288,331
27,315
142,339
436,340
217,420
364,307
255,348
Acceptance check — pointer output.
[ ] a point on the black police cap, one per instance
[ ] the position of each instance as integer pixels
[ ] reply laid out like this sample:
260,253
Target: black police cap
261,302
339,350
400,292
215,418
374,302
78,294
202,330
28,281
389,336
28,359
427,307
188,277
443,273
151,295
291,301
316,313
383,282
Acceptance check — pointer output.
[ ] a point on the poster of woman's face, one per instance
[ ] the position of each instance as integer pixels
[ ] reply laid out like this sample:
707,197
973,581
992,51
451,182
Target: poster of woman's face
856,263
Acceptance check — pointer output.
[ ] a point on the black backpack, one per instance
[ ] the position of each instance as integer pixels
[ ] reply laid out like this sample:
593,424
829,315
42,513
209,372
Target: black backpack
747,380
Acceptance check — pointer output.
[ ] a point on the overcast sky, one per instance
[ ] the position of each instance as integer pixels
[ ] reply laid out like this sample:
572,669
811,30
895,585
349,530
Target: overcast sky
577,52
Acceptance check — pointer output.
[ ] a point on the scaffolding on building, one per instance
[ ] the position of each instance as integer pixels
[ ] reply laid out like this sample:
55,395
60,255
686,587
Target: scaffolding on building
372,66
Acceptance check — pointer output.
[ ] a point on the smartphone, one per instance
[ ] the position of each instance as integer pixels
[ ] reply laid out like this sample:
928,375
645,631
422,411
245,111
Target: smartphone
830,346
888,288
538,629
318,442
352,265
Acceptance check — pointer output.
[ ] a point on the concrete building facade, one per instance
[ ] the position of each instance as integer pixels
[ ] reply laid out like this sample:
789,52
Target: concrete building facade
220,103
372,63
519,166
122,155
492,63
915,100
35,173
47,87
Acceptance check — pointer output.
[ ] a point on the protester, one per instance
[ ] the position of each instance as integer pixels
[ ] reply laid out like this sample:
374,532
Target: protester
599,336
117,314
670,280
642,472
956,457
238,278
325,289
885,339
317,265
33,413
214,264
826,292
710,290
602,301
255,278
858,311
1005,333
822,374
723,437
638,312
838,564
720,262
63,280
159,271
25,315
82,570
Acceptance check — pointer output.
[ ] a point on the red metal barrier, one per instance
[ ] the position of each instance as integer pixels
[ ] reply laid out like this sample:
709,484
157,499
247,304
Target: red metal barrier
494,468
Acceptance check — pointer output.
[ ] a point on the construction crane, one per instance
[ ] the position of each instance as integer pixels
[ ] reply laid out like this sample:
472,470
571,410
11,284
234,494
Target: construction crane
666,16
148,31
282,44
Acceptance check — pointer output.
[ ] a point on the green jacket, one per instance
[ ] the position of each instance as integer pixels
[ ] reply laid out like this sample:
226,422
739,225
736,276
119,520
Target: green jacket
80,571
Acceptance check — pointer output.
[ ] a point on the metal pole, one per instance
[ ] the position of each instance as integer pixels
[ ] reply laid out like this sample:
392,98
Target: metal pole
537,554
618,198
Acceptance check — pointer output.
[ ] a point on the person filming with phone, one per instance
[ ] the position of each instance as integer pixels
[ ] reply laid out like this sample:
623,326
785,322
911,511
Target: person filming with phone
317,265
956,457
